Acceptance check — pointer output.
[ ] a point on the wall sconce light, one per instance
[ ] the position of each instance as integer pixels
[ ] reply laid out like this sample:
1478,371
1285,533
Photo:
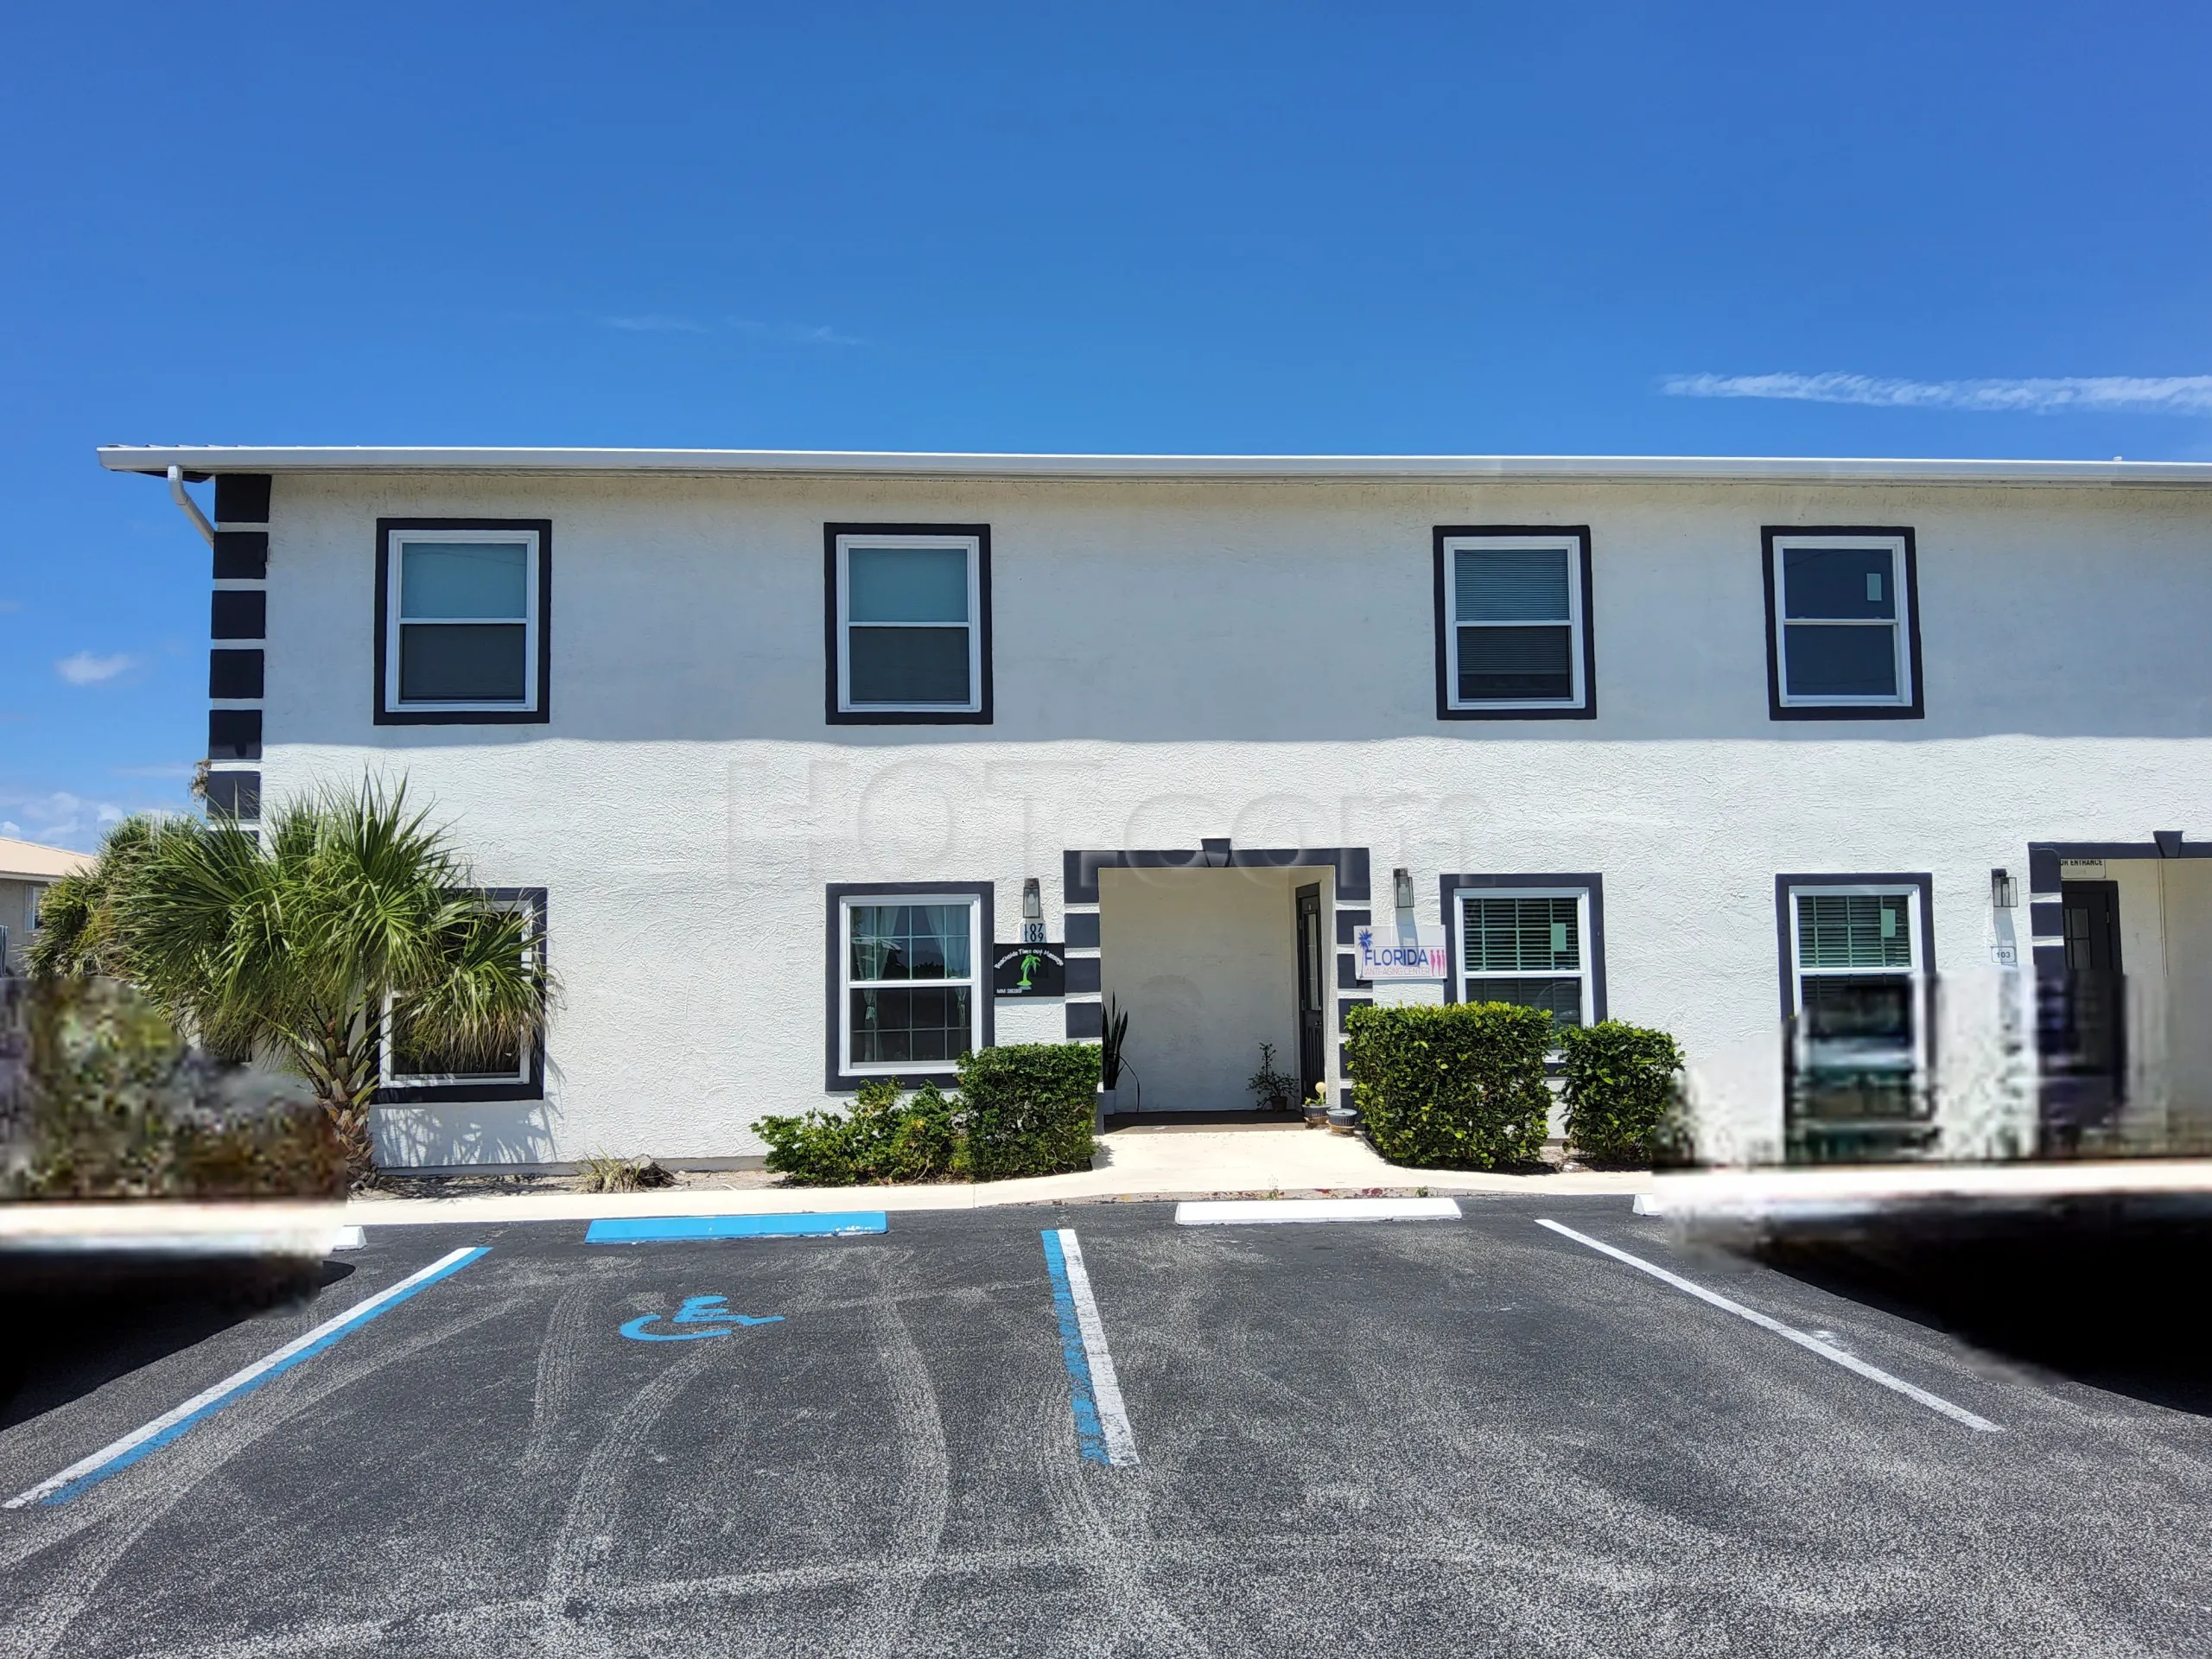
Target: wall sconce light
2004,891
1401,884
1032,912
1213,852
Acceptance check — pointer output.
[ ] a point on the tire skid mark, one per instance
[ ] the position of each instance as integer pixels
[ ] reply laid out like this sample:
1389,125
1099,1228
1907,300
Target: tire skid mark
119,1512
926,1479
563,1604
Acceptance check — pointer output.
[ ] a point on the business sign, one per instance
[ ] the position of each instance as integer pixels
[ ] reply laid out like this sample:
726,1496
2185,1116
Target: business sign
1390,953
1029,970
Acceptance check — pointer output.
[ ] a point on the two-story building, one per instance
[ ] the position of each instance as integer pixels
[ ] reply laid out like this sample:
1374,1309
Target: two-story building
1883,773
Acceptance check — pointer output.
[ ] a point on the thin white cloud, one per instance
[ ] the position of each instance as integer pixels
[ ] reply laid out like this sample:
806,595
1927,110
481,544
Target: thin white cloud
88,667
2098,394
798,334
62,819
8,606
176,770
655,323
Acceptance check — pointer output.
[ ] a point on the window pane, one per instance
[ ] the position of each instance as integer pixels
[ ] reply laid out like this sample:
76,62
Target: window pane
1561,998
1510,935
1516,664
464,662
1841,662
416,1052
1837,581
896,1027
1509,584
908,666
906,584
1874,1012
1856,930
897,942
463,579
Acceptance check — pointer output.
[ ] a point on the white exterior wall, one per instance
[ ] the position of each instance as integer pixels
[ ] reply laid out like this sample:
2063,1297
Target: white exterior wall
1176,660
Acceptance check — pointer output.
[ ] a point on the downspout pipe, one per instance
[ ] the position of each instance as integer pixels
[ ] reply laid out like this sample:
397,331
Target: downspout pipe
183,498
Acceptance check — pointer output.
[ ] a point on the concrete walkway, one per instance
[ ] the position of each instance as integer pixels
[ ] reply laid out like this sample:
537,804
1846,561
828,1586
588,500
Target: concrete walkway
1131,1164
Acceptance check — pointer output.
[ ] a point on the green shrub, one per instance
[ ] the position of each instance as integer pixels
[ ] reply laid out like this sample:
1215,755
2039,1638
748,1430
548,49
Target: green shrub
1027,1108
1459,1086
882,1139
1024,1110
103,1100
1620,1088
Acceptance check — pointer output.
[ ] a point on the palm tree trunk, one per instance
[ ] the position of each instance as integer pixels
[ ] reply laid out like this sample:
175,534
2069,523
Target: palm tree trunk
344,1091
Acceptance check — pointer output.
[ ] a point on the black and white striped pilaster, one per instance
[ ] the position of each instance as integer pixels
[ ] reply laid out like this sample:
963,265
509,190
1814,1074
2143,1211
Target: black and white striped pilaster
238,627
1084,1010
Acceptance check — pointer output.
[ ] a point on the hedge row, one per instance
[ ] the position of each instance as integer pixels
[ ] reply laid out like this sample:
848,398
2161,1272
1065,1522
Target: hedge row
1026,1109
1463,1085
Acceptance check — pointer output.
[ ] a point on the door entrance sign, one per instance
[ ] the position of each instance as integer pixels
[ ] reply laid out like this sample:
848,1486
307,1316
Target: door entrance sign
707,1313
1394,953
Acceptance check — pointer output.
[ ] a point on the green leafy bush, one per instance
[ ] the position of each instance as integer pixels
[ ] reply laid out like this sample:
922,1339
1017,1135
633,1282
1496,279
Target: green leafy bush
102,1100
1459,1086
882,1139
1027,1108
1620,1088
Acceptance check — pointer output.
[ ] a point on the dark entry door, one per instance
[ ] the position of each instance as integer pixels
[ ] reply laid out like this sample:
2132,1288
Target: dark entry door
2091,1021
1312,991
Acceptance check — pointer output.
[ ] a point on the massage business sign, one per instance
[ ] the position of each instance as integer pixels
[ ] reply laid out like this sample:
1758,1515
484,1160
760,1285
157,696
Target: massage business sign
1395,953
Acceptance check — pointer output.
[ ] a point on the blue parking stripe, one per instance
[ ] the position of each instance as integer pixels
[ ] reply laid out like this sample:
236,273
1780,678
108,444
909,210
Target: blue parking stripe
645,1229
1090,1436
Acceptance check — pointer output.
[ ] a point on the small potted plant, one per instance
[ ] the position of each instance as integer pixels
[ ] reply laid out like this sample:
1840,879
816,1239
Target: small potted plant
1316,1109
1115,1032
1273,1090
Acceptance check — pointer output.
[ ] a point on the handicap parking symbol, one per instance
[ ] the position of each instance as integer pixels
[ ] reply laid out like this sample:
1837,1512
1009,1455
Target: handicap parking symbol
708,1313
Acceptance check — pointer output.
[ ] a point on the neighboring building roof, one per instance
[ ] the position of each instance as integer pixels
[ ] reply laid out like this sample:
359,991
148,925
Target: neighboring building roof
201,461
23,861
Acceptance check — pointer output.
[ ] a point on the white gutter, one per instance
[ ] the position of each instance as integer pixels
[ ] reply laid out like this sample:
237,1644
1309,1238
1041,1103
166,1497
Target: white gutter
125,458
183,498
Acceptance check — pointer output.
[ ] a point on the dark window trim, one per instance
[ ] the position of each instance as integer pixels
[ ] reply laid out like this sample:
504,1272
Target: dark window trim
838,1081
1787,945
1440,594
383,713
416,1094
1918,709
1590,881
833,629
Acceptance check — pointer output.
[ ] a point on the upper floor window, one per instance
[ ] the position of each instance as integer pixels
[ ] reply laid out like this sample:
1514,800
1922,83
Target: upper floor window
910,623
1843,624
1512,623
461,622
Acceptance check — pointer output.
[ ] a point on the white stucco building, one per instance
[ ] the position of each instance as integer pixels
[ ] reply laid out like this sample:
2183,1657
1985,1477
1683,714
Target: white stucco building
783,749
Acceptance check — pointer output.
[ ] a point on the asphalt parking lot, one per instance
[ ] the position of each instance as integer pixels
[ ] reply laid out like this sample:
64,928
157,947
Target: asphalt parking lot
1476,1435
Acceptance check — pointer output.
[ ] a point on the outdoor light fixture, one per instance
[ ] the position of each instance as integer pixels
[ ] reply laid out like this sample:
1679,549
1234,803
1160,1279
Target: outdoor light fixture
1402,880
2004,891
1032,912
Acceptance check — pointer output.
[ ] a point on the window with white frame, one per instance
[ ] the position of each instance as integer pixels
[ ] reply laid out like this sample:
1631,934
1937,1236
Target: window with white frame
1514,631
1841,622
412,1058
1530,946
1856,979
910,999
910,623
462,627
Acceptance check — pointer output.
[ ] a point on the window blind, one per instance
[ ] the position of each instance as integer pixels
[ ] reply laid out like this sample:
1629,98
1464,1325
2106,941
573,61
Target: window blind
1509,936
1509,584
1853,930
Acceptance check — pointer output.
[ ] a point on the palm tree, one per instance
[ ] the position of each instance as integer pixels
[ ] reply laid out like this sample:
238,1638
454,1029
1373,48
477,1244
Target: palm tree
349,923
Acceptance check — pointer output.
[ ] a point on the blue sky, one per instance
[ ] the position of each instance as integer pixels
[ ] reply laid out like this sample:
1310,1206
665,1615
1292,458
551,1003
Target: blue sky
1908,230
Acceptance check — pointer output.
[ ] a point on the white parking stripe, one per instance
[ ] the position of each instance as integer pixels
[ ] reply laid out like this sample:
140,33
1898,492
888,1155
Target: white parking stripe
1810,1344
1221,1212
1105,1387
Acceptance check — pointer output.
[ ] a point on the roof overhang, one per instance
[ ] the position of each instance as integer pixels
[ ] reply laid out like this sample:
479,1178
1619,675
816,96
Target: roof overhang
202,460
